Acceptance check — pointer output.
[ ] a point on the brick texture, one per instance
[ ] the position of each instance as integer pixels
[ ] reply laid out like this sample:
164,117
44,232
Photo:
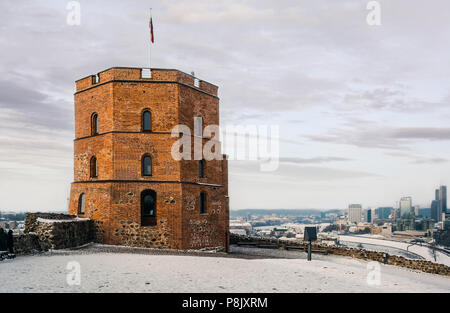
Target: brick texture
113,198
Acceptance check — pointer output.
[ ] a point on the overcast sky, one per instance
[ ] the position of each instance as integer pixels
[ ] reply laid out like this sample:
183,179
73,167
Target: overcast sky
363,110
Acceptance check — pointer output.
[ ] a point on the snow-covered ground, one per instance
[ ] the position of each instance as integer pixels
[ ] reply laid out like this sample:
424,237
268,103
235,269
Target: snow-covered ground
423,251
147,272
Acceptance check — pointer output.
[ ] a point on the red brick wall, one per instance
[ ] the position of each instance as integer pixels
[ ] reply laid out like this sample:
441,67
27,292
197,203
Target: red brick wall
131,99
99,100
129,149
101,148
209,229
113,198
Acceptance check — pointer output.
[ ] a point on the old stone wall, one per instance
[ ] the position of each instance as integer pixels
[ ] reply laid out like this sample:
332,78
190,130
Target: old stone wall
421,265
208,229
133,235
27,244
125,219
55,231
31,219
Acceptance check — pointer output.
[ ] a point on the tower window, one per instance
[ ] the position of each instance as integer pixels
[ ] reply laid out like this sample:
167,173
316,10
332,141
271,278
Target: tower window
147,121
201,168
146,166
202,203
93,165
82,204
148,208
94,124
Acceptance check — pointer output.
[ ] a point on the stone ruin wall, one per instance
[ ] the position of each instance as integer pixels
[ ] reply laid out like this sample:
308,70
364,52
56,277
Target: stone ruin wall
420,265
45,231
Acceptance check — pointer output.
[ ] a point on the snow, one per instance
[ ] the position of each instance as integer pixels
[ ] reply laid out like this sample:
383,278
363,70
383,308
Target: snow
246,270
423,251
241,232
77,219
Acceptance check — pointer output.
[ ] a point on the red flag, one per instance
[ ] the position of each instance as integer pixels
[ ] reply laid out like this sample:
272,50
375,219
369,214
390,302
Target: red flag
151,30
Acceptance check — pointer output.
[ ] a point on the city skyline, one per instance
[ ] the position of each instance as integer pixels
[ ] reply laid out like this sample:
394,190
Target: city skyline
396,205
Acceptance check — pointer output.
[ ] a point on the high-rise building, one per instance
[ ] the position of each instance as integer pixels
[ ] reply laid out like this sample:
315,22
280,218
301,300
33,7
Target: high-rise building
395,214
368,215
439,205
383,213
405,205
443,198
426,213
354,213
436,213
406,224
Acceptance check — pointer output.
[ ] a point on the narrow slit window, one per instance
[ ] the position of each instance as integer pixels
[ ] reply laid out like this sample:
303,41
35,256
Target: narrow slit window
202,203
147,121
201,168
82,204
94,173
146,166
94,124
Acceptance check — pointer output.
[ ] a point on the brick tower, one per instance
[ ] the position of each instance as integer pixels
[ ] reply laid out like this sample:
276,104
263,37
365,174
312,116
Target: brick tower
125,178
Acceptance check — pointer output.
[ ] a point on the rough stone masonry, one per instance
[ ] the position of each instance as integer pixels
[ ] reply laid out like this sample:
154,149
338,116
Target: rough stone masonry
175,207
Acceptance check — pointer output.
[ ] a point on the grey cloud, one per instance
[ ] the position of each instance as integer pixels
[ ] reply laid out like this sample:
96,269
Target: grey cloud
419,159
387,99
312,160
288,172
382,137
35,107
217,12
431,133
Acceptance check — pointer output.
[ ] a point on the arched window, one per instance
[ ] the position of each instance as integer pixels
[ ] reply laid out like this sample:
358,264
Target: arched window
201,168
93,164
147,121
146,166
82,204
148,208
94,124
202,203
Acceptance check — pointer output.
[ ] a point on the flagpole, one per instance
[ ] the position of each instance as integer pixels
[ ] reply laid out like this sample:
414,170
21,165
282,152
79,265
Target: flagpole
150,51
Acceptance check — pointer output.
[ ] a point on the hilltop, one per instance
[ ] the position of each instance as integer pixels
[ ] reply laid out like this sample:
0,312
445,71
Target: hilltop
120,269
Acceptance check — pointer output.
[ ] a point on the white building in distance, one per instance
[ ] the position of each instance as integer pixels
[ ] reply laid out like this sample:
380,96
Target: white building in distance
405,205
354,213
